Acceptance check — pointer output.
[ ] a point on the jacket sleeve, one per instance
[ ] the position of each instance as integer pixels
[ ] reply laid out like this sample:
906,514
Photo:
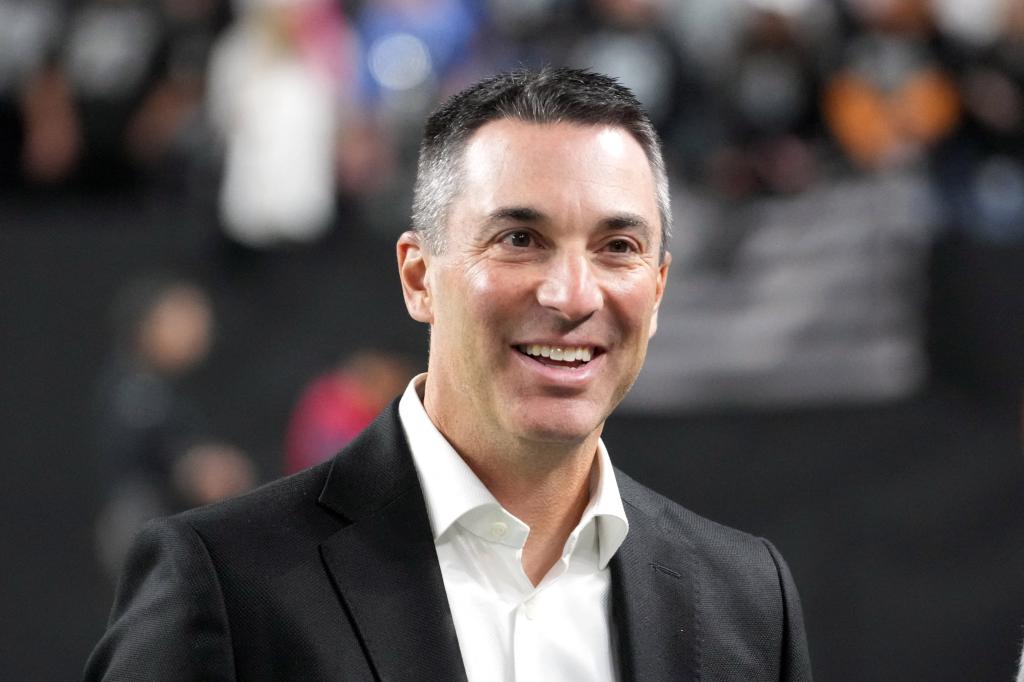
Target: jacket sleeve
795,665
168,621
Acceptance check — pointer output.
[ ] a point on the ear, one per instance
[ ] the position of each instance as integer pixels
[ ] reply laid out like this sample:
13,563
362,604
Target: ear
412,270
662,281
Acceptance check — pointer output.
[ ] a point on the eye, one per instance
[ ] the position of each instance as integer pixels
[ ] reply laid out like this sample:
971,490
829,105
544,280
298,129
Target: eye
519,239
621,246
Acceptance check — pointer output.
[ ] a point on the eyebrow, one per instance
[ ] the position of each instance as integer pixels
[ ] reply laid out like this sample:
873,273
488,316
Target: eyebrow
516,213
626,221
618,221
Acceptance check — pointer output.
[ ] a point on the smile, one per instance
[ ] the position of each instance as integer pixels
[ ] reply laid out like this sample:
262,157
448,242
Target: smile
561,356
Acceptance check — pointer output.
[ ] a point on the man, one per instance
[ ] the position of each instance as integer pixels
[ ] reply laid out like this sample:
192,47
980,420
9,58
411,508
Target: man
477,529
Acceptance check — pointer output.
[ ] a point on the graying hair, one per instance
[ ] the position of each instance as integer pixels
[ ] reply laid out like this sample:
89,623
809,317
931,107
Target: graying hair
545,96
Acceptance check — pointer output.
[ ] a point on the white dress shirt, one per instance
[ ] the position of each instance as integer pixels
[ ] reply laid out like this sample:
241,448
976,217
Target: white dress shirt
509,629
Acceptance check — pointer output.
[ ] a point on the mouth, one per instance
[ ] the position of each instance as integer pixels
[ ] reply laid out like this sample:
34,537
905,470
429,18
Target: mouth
570,357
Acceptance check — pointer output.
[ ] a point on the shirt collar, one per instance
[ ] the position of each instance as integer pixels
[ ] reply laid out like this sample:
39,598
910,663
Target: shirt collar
606,508
450,488
452,491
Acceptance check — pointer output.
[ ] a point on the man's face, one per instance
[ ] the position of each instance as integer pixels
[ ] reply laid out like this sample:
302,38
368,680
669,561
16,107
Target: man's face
542,304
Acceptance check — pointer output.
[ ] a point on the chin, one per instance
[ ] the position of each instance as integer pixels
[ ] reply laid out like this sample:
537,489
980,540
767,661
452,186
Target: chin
564,427
556,436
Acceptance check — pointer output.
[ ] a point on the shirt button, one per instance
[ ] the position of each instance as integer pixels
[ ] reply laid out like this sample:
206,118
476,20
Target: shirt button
530,609
498,529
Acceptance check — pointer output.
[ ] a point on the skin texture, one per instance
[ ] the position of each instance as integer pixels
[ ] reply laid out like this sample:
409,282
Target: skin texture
553,239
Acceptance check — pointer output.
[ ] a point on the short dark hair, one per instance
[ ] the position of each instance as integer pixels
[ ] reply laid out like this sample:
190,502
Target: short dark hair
545,96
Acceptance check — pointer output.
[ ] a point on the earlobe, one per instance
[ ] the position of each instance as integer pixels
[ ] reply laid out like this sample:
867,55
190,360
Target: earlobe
412,270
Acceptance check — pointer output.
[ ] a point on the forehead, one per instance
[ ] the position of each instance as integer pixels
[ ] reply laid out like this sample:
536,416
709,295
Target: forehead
557,168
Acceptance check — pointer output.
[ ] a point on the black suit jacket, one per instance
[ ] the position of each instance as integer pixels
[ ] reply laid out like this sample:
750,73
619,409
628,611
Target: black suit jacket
331,574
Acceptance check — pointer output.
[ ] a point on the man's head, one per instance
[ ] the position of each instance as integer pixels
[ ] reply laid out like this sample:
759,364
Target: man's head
544,289
547,96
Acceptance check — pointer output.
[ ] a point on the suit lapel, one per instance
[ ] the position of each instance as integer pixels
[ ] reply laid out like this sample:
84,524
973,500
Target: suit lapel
384,564
654,596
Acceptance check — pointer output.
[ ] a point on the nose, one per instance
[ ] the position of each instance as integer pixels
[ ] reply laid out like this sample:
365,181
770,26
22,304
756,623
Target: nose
570,287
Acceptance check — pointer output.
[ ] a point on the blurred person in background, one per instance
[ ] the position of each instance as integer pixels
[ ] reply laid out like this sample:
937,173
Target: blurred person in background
29,30
118,90
274,101
337,405
767,130
891,99
630,40
156,456
979,171
410,52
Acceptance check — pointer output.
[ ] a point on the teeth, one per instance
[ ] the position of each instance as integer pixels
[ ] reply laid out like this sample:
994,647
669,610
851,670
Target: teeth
564,353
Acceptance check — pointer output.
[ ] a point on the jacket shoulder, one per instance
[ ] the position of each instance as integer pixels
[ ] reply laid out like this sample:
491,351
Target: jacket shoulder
732,565
675,519
743,590
284,510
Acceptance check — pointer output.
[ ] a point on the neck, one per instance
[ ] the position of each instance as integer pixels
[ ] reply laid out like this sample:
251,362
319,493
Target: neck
547,488
544,483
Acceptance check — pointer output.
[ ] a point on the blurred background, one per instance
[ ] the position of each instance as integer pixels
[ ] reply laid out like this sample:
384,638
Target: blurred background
198,206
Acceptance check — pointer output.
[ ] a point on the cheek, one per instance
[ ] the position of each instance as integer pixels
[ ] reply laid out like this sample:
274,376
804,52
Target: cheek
489,297
634,300
470,313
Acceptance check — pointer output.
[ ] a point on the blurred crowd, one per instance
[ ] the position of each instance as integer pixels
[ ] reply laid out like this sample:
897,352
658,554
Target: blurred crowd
305,103
817,146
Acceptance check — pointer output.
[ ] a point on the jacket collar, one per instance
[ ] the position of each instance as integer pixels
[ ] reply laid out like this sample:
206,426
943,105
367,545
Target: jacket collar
383,563
655,594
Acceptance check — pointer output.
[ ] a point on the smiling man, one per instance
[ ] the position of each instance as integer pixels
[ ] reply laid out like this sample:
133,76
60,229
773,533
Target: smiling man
477,530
